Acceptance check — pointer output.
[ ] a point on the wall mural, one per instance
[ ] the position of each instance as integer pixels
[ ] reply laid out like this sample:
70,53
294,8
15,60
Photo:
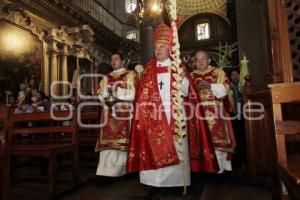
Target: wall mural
21,58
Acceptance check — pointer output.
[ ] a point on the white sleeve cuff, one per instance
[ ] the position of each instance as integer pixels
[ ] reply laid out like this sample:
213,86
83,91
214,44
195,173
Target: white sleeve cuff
102,95
125,94
218,90
185,87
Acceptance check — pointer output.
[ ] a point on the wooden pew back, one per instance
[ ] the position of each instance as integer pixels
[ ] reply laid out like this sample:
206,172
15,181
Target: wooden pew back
61,124
47,135
4,155
88,133
4,126
289,170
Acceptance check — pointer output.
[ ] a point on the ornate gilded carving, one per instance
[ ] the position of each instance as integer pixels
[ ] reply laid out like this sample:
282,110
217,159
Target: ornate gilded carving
15,15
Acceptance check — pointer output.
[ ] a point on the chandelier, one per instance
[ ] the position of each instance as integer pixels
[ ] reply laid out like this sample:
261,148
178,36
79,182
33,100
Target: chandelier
139,11
150,8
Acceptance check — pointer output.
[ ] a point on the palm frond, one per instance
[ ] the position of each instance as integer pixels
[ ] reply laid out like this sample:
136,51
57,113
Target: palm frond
224,54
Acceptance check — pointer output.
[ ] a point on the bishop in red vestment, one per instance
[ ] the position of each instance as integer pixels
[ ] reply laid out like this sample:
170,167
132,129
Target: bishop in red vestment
154,149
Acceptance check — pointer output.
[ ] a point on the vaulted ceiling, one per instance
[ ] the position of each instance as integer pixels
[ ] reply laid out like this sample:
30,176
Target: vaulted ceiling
186,8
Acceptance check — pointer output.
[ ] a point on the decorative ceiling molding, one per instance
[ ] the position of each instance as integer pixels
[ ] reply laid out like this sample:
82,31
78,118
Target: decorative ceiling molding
81,37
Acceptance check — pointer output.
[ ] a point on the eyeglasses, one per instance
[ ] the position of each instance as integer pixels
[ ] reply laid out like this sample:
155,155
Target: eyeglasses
201,59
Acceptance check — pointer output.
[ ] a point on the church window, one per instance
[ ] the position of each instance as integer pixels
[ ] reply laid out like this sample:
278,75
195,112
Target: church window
130,6
132,35
203,31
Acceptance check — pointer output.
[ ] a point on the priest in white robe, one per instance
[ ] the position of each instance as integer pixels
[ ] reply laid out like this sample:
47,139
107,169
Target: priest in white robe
116,91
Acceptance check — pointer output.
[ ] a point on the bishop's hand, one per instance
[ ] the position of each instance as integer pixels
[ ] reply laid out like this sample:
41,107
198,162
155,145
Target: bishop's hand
204,85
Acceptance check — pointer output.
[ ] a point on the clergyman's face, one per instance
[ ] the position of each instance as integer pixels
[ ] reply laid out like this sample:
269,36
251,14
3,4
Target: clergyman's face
161,51
116,61
235,76
191,62
202,60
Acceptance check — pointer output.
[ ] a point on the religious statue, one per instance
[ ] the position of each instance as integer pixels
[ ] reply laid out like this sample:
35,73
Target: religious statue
22,94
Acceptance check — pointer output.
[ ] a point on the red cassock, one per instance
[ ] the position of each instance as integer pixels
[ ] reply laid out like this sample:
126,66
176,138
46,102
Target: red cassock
152,137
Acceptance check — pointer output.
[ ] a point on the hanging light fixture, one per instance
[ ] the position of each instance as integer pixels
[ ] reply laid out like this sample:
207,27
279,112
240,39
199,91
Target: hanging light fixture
145,9
151,8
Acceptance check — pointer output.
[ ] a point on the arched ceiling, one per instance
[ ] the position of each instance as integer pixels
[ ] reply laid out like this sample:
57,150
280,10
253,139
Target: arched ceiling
186,8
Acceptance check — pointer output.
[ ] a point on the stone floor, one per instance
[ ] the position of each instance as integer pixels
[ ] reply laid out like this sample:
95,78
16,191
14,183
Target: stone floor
203,188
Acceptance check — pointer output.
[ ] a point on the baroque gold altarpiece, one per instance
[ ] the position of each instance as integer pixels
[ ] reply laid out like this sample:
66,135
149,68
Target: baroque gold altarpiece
58,43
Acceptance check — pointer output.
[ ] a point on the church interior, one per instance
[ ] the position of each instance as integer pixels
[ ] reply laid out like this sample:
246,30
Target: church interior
54,54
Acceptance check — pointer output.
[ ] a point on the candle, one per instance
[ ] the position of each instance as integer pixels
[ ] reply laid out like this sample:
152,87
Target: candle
244,71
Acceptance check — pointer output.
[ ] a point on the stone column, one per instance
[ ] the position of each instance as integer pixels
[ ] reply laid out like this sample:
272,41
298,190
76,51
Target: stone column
94,73
54,67
77,74
46,70
146,43
65,69
150,21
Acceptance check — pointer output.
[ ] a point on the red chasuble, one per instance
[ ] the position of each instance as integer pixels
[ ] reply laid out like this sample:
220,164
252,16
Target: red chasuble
152,137
115,134
220,129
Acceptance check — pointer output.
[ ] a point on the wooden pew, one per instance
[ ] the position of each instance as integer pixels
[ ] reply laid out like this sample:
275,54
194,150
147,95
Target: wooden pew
289,170
87,139
4,155
48,138
87,136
